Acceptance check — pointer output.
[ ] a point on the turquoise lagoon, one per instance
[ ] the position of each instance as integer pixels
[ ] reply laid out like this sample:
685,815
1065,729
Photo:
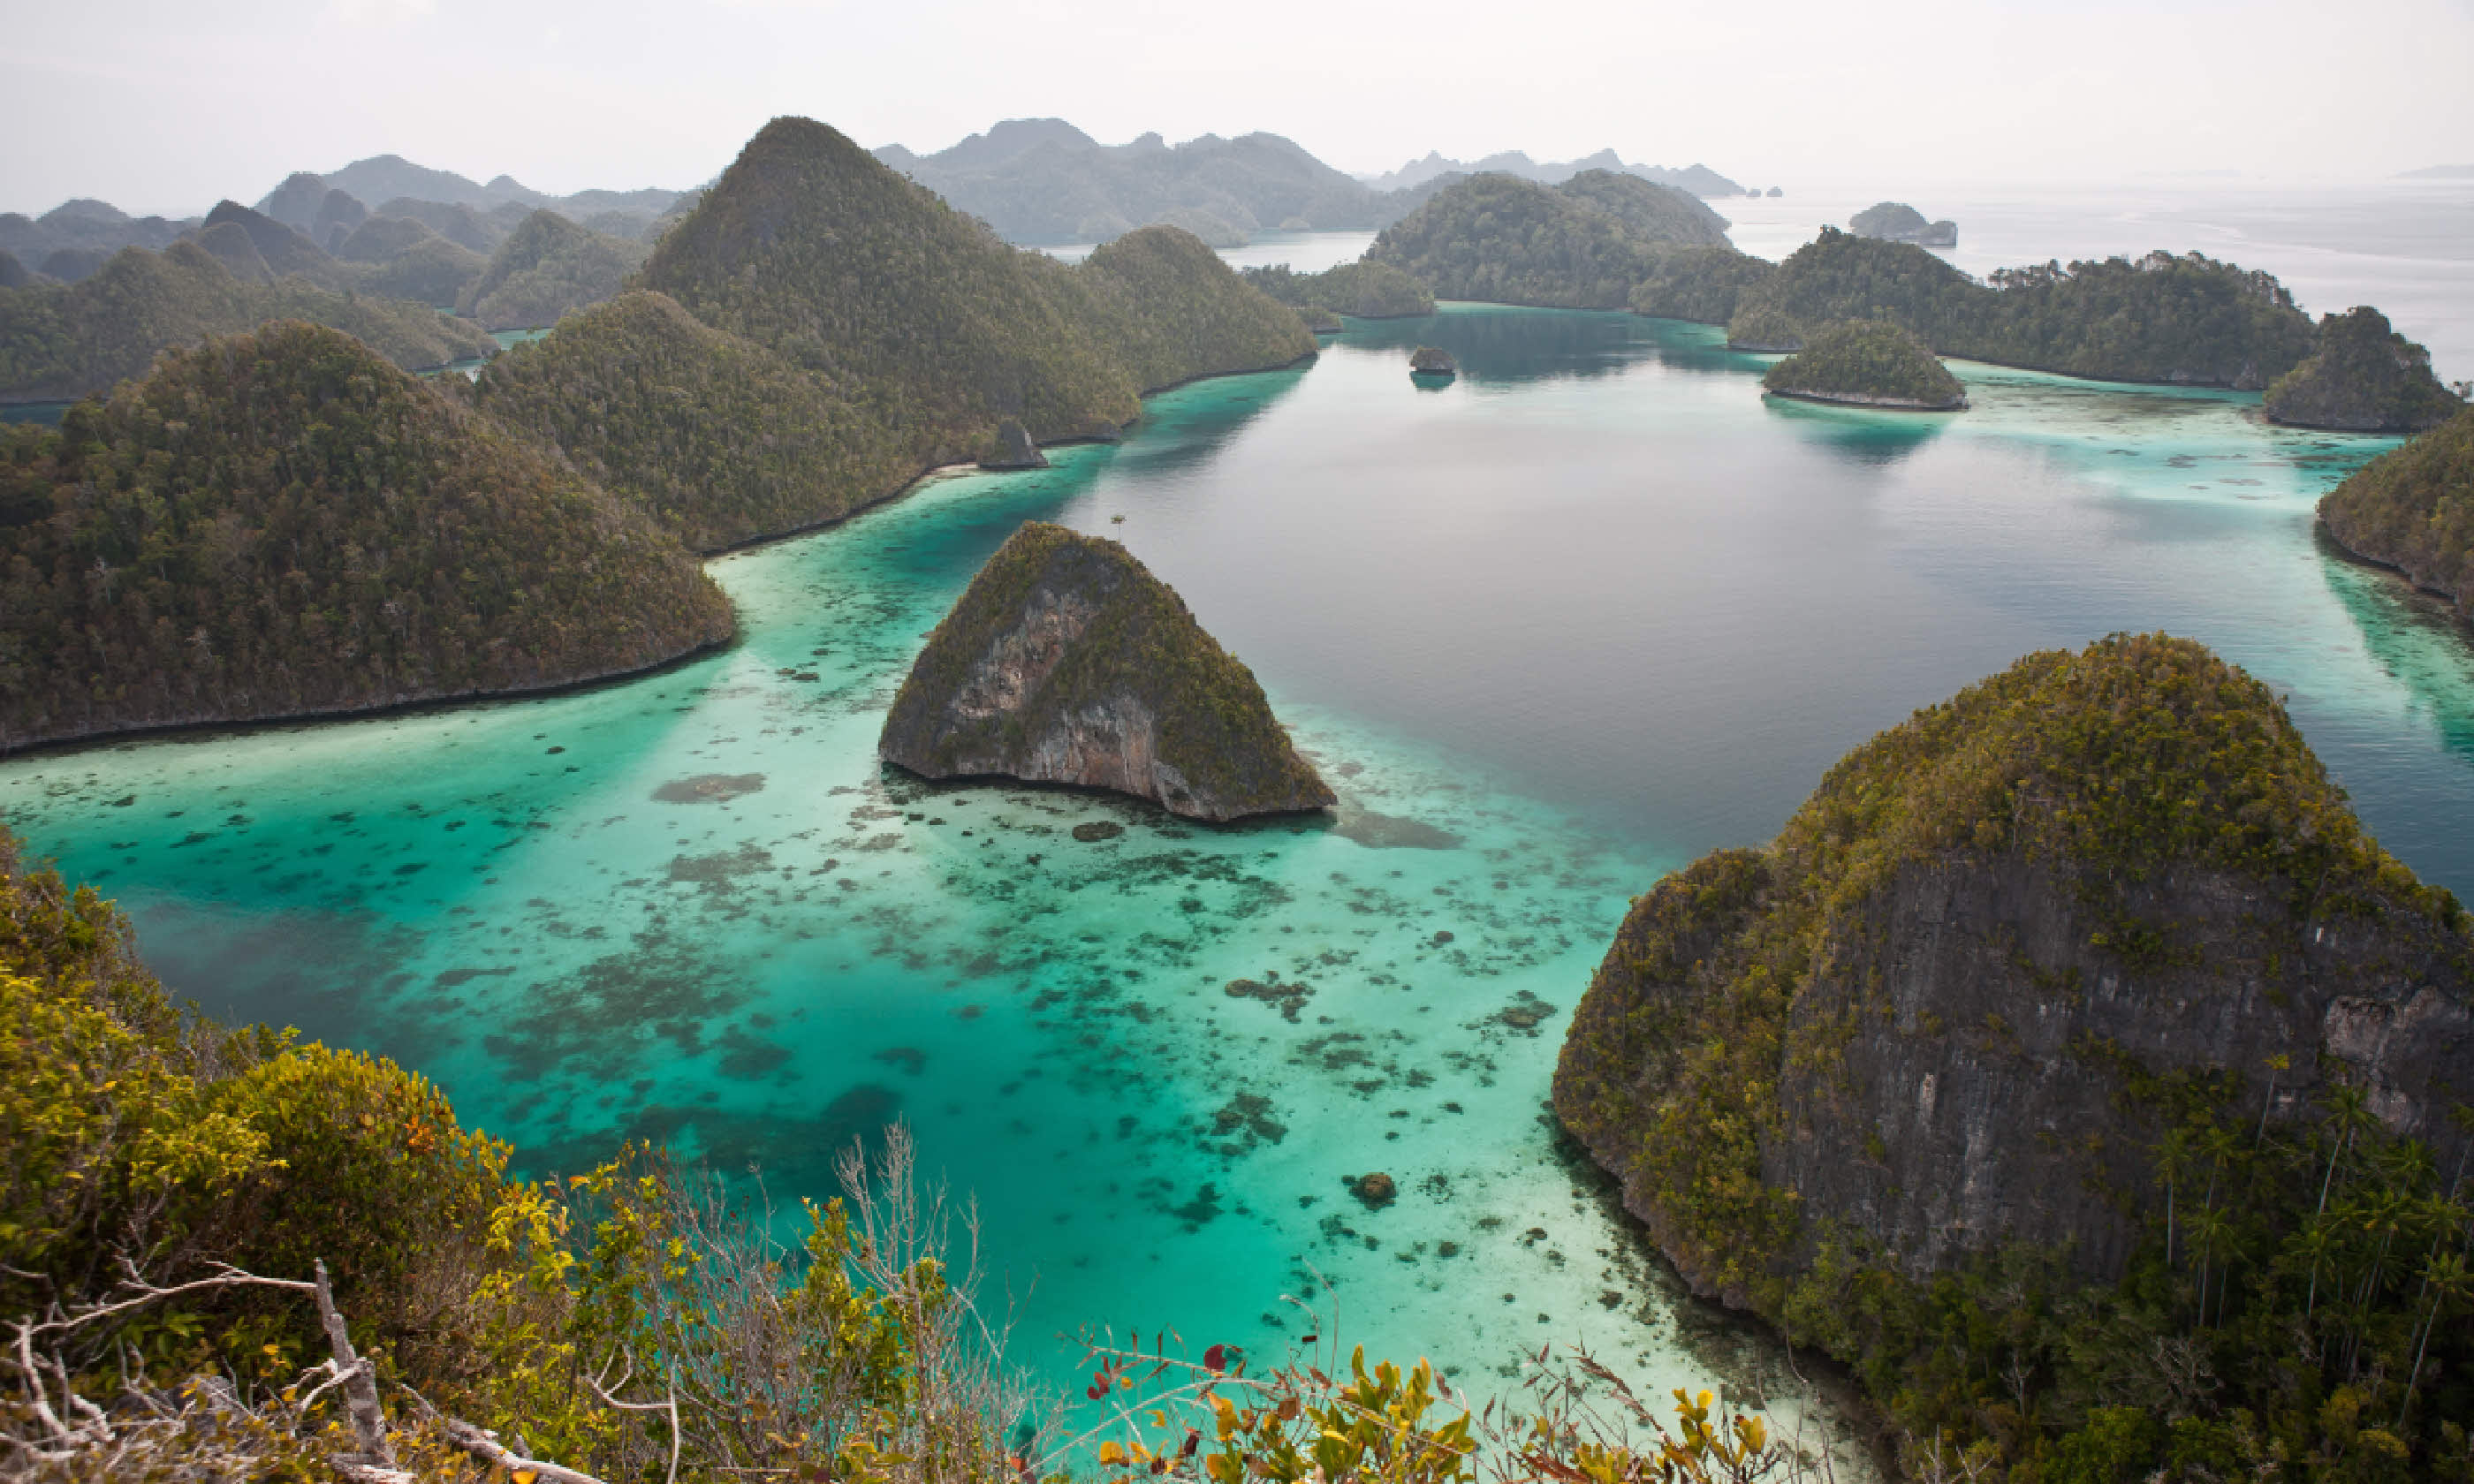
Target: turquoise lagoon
1555,629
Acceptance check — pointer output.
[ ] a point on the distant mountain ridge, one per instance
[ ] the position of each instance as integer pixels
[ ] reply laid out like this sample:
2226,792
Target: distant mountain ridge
1045,181
1697,178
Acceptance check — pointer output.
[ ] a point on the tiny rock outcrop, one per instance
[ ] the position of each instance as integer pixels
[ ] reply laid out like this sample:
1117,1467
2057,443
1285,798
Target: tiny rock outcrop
1432,361
1066,662
1012,448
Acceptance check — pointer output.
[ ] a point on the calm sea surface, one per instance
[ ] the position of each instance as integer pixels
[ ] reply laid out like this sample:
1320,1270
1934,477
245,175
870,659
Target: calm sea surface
1550,631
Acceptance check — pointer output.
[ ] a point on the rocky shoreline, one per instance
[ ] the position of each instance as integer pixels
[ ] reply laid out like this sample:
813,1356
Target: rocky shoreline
1860,399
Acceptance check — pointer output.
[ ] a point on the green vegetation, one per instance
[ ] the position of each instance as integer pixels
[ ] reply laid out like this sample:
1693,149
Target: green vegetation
810,247
2412,509
719,439
1660,213
1701,284
1868,362
871,332
63,340
1505,240
2163,318
547,267
281,524
1367,290
2364,379
2287,1278
1119,642
1172,311
1765,329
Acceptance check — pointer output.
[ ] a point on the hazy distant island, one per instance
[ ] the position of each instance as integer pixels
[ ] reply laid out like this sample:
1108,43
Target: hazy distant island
1697,179
1894,221
2411,510
1067,661
2364,377
1865,363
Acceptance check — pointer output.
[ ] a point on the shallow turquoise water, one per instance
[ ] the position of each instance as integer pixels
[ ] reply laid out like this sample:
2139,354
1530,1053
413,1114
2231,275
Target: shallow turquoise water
1593,608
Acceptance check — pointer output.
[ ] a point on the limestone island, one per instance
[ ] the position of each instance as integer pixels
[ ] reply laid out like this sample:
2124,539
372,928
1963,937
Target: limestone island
1433,361
2364,379
1012,450
1066,662
1865,363
1895,221
2015,958
2411,510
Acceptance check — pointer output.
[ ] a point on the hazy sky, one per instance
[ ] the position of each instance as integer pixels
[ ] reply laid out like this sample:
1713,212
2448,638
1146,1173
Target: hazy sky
159,106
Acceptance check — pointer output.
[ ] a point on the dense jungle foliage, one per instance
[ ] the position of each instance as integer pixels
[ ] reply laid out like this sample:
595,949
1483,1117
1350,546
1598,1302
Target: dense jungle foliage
63,340
2412,509
1172,311
1866,360
627,1323
1701,284
280,524
547,267
2298,1277
2364,379
811,247
430,270
2162,319
1367,290
1504,240
716,438
1660,213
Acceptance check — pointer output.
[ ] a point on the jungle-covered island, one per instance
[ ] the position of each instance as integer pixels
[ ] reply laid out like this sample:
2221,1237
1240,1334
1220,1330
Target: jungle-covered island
2044,1040
790,392
1865,363
2364,377
1363,290
1582,245
283,524
1067,661
2412,508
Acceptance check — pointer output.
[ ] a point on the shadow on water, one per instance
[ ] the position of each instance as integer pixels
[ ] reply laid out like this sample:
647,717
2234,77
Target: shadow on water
1496,343
2413,636
1860,435
1189,428
42,414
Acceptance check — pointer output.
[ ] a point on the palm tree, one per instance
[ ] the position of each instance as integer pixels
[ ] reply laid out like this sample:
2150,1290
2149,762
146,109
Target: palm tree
2348,1115
2317,1241
2450,1284
2172,1158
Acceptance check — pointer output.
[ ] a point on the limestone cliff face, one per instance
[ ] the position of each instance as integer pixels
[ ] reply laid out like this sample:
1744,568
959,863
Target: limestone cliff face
1980,1093
1933,1017
1067,662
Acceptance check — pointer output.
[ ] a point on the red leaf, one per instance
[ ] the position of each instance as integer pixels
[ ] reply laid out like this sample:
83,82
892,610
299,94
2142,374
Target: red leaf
1216,1359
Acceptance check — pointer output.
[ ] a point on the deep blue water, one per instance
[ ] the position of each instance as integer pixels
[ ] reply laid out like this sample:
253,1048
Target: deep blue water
1556,628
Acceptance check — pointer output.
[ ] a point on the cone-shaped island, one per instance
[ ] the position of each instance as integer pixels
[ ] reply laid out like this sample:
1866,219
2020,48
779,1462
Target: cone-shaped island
1865,363
1066,662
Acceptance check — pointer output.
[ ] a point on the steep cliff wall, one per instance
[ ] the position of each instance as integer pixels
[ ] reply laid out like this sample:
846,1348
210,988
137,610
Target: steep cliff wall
1957,1004
1067,662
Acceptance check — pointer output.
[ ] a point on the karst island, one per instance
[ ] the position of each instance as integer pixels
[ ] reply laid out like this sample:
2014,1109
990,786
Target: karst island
1067,661
1864,363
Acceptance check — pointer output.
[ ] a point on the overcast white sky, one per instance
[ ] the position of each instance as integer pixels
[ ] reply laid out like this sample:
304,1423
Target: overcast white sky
168,104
